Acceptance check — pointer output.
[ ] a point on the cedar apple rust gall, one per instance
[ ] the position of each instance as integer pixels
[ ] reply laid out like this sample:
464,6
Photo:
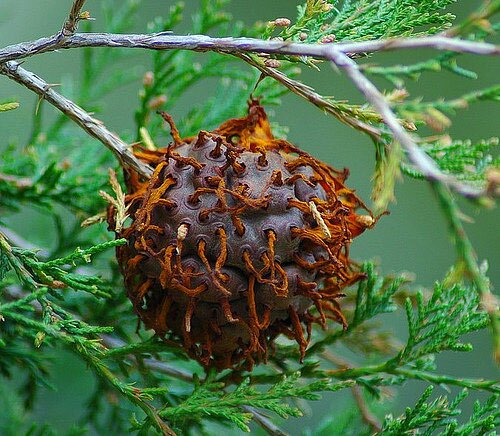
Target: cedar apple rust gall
237,238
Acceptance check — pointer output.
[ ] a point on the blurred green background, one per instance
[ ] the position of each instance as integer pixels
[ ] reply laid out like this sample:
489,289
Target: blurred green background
412,238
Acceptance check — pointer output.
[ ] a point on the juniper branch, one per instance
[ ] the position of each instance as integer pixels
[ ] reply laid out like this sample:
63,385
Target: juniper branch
466,254
92,126
336,53
433,42
423,162
88,349
439,416
167,41
348,373
115,346
384,369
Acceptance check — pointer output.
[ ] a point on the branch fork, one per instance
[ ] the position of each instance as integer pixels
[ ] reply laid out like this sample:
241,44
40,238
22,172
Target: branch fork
337,54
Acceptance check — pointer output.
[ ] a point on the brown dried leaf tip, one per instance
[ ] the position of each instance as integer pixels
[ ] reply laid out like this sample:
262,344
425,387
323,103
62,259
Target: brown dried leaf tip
237,238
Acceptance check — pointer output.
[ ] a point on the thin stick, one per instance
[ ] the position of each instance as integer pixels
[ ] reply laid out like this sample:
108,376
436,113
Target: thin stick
167,41
91,125
421,160
163,367
368,417
70,25
437,42
312,96
265,423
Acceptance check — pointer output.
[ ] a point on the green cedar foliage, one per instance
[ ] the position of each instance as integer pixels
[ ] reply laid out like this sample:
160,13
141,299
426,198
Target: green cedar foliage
69,295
